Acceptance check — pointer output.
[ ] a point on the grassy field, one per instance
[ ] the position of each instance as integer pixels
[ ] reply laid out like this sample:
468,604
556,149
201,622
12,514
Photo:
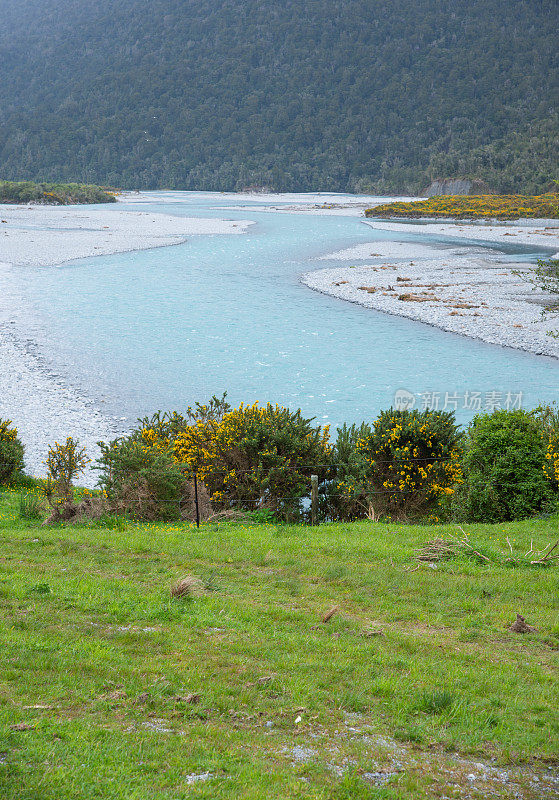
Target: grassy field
414,688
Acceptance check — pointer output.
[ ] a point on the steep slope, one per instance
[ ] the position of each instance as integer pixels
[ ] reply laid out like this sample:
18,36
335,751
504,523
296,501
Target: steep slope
218,94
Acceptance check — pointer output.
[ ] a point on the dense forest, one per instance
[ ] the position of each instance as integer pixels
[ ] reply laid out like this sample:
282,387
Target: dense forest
359,95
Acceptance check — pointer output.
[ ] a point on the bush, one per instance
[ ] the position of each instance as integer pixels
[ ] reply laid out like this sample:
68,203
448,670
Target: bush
31,506
162,428
548,420
503,465
11,452
140,474
346,495
65,462
141,479
406,465
255,456
53,193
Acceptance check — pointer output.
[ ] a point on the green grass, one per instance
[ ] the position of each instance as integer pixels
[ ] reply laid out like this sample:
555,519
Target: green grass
413,683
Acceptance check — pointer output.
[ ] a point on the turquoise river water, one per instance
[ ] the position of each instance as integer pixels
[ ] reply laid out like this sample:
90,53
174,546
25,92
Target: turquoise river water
161,328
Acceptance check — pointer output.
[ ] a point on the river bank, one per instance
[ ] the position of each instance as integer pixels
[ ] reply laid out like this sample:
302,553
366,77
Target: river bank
37,400
470,291
42,236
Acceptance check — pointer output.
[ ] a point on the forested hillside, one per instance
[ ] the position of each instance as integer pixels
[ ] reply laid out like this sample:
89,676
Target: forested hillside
305,94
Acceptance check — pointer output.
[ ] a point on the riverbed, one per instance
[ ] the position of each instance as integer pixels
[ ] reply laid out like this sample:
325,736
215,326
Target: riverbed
119,335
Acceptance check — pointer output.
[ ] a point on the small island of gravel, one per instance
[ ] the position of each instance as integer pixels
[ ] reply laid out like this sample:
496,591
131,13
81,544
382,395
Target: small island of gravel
472,291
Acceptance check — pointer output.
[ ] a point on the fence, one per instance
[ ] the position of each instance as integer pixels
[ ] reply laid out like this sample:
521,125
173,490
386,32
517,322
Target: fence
310,500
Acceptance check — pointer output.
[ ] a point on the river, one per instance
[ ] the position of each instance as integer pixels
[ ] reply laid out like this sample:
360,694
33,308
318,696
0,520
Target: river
162,328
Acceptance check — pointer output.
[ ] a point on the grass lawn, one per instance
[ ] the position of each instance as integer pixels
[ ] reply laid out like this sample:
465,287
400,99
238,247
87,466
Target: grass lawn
415,688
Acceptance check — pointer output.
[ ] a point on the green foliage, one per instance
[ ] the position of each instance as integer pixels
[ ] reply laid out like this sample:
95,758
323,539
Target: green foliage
436,701
11,452
472,207
548,420
165,426
140,479
503,465
331,94
546,275
546,278
523,161
350,469
406,465
65,462
40,588
59,194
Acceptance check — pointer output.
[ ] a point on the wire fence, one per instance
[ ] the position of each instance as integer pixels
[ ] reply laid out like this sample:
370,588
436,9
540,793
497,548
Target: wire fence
310,502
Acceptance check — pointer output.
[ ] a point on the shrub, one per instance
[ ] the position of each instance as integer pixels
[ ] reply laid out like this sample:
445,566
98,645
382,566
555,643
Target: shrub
411,461
31,506
140,474
504,206
255,456
161,429
346,495
141,479
548,420
11,452
53,193
65,462
503,465
546,275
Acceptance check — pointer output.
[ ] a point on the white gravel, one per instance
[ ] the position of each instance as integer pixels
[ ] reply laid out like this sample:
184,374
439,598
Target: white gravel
49,235
44,410
466,291
538,232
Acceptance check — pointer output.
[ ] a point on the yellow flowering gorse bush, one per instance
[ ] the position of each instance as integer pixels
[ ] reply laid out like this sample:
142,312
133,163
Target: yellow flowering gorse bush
11,452
254,455
510,206
410,462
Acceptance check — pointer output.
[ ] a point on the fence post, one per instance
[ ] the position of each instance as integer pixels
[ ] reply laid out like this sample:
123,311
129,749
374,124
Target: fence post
314,499
196,501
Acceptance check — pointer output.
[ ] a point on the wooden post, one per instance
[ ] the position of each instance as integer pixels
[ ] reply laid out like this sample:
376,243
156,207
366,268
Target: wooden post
314,499
196,500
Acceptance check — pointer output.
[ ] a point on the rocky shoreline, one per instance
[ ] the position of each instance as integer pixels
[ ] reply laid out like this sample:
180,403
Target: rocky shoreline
469,291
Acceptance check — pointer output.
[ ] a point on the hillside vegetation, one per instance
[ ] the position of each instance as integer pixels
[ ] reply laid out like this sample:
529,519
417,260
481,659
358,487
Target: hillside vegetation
523,161
473,207
327,94
58,194
299,662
